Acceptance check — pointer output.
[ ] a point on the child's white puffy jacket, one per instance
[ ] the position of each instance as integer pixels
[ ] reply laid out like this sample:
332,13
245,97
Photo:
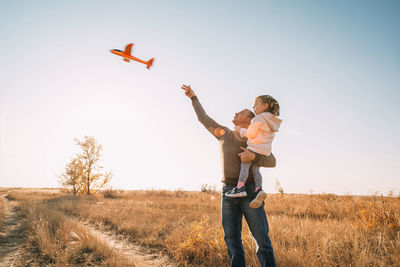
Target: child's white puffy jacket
261,133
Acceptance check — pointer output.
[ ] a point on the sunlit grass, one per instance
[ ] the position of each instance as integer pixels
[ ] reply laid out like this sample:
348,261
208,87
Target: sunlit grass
306,230
57,239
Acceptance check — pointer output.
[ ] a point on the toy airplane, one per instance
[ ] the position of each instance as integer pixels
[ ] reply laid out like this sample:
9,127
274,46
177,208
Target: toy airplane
127,56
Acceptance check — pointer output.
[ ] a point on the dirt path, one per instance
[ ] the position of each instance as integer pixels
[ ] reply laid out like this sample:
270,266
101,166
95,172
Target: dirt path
126,248
11,234
12,237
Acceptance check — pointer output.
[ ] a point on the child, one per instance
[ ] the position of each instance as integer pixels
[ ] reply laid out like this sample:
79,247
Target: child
260,134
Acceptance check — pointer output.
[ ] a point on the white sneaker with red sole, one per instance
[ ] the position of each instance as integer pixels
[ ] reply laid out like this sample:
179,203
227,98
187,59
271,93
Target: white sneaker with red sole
257,201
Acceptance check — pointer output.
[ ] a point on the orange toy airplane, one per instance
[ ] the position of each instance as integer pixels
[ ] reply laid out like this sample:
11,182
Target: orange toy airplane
127,55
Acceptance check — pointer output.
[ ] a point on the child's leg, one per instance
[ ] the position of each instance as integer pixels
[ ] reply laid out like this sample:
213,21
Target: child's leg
255,169
261,195
244,173
240,190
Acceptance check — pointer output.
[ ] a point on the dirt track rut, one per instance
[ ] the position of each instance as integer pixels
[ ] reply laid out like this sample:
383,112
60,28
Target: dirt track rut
126,248
11,234
12,238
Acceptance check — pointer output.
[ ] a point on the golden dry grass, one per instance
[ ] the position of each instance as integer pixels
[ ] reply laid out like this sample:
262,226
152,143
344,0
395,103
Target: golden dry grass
58,240
306,230
2,214
3,191
61,241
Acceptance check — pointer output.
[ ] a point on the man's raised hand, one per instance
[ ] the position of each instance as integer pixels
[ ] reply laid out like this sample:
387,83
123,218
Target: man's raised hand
188,91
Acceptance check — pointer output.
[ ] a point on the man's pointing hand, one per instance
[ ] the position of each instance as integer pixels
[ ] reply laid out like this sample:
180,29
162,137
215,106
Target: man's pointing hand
188,91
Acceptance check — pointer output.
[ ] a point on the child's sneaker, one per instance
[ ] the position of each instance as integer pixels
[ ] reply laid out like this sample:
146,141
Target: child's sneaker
237,192
257,201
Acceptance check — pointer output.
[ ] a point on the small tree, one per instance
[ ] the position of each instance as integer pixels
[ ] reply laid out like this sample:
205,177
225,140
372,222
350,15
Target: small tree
83,173
73,175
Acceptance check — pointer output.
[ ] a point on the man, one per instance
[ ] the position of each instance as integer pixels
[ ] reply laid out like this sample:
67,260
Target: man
233,209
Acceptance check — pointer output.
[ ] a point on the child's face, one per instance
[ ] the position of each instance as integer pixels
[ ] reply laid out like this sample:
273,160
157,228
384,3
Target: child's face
259,106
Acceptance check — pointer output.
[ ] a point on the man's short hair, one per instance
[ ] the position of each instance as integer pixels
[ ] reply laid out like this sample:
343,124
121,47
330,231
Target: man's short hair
251,114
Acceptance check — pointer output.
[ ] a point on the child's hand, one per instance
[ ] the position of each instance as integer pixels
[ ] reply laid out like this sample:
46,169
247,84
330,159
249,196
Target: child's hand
237,128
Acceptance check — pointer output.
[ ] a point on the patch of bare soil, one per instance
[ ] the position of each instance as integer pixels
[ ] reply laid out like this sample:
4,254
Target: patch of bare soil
12,235
126,248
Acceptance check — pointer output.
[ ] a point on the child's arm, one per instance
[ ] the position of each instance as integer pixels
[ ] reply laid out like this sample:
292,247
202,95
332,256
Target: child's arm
252,131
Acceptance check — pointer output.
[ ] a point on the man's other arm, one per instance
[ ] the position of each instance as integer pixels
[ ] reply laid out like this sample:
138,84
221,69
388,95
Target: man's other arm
265,161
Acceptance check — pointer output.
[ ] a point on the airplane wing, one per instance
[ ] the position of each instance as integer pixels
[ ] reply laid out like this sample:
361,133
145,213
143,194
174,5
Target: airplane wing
128,49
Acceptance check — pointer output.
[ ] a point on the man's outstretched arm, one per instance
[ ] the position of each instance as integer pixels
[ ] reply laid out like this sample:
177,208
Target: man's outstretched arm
211,125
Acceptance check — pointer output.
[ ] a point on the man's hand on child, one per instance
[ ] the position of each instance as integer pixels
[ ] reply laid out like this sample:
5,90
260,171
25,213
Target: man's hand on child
246,155
188,91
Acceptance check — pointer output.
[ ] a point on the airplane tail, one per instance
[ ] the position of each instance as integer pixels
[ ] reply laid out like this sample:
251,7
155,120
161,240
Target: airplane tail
149,63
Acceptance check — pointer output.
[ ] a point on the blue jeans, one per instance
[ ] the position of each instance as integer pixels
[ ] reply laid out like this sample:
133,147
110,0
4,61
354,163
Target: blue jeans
233,210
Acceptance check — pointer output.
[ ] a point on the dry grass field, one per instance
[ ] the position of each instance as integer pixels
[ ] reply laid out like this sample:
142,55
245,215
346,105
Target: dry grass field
2,209
306,230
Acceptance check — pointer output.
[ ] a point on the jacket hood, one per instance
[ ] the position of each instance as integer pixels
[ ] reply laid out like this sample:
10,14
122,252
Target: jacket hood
273,122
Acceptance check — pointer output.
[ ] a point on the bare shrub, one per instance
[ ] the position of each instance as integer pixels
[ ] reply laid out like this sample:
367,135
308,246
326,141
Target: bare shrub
279,188
110,193
206,188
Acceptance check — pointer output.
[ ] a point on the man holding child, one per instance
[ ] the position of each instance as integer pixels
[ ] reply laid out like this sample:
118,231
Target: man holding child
233,209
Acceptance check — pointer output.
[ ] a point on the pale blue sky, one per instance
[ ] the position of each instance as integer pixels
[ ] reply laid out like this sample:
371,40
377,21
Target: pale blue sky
333,66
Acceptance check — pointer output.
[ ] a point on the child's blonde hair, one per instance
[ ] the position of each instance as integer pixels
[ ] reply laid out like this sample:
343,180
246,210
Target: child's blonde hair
273,105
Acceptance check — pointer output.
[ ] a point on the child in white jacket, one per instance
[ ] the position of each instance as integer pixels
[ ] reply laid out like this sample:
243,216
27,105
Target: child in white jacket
260,135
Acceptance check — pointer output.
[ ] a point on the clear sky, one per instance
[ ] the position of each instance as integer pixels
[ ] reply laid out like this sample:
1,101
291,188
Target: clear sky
334,66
